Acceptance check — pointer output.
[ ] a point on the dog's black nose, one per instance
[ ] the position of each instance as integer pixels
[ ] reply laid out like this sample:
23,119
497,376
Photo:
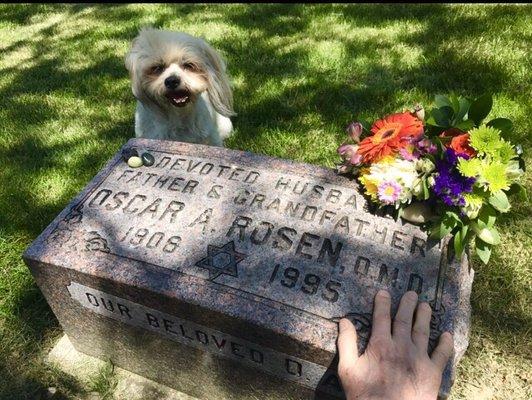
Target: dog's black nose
172,82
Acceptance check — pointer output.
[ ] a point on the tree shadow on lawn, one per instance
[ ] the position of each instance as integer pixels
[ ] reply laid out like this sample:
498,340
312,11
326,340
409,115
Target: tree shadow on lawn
259,61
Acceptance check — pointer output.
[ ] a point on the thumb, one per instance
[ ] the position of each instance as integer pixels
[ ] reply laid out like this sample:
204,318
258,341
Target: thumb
347,344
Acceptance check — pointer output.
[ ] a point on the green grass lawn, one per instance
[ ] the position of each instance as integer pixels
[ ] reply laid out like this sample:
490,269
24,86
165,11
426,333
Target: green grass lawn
300,73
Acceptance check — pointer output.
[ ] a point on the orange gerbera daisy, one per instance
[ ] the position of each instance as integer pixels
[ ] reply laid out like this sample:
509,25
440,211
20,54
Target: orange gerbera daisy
389,135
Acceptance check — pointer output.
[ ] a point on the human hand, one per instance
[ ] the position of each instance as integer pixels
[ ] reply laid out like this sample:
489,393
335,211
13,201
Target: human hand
395,365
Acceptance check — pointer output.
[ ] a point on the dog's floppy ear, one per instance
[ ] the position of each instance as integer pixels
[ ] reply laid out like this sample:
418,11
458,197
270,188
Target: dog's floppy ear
131,62
219,89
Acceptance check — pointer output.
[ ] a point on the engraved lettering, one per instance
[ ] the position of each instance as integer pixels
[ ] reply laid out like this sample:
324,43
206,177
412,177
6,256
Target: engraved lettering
396,240
178,163
152,320
192,166
418,243
184,333
304,243
118,201
258,199
206,169
299,189
381,233
107,304
102,195
190,186
235,174
241,198
127,208
362,262
251,177
256,356
286,242
415,282
342,225
327,249
334,196
293,367
219,345
214,192
202,337
384,278
123,310
92,299
161,181
235,348
163,162
173,208
168,326
255,239
309,213
152,208
240,223
174,186
282,183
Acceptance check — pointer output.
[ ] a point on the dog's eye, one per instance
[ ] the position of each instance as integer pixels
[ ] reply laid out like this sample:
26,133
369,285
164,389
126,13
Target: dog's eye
189,67
157,69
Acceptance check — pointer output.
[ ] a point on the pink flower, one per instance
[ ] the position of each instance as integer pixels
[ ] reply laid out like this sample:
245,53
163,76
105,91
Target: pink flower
348,152
354,130
388,192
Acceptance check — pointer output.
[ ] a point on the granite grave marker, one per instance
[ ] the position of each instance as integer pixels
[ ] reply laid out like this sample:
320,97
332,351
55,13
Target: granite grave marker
220,271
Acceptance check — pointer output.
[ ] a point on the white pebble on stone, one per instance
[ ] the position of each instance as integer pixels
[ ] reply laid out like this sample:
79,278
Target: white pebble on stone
134,162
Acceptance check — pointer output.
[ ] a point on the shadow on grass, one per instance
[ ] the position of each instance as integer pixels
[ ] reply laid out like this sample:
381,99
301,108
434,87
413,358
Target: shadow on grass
277,50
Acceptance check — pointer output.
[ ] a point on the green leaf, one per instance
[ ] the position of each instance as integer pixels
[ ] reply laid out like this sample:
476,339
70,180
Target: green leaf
426,192
448,112
366,125
480,108
462,110
499,200
502,124
450,216
483,251
455,104
487,235
442,101
440,118
519,190
465,125
445,226
430,120
487,215
460,241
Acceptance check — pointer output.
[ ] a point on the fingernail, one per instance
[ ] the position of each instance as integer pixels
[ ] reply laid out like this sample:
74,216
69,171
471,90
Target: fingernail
383,293
342,324
411,295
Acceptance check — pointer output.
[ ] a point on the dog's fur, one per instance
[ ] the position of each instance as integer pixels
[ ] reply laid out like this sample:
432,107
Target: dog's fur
198,108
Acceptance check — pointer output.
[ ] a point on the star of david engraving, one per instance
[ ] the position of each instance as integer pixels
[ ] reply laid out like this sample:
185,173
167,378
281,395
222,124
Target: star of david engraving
221,260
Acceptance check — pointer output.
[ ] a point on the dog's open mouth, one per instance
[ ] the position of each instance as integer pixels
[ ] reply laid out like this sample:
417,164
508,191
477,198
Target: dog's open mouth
179,98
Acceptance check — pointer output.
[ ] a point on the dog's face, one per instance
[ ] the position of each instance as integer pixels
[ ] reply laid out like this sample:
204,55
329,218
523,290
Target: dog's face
171,69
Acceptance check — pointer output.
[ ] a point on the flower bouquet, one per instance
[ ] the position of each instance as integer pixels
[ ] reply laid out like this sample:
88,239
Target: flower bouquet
450,172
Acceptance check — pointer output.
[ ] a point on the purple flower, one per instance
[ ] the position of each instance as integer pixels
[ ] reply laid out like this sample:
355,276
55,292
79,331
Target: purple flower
425,146
354,130
409,153
449,184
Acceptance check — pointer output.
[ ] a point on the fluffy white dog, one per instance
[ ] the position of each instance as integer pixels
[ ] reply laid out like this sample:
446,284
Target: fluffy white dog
181,86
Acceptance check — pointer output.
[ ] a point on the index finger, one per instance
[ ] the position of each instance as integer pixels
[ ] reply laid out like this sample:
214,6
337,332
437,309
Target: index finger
381,315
